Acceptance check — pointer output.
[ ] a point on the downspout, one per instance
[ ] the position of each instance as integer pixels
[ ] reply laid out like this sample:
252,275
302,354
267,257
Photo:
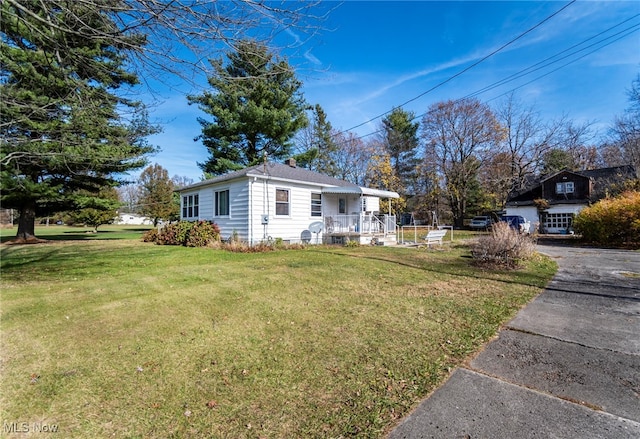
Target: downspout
265,206
250,231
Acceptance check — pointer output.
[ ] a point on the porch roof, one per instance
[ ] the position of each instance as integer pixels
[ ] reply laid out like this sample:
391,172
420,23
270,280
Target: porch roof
358,190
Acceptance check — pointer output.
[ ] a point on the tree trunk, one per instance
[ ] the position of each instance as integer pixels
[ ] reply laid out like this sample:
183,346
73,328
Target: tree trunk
27,222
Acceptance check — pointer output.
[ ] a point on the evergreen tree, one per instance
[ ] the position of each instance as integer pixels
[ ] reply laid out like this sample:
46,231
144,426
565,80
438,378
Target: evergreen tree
400,138
95,210
256,105
324,143
319,150
556,160
62,125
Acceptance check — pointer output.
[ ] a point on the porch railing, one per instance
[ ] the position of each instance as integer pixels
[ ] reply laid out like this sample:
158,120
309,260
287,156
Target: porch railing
363,224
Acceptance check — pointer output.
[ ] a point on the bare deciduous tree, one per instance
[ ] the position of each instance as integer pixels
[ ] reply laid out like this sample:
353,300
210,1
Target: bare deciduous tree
351,158
527,139
462,134
624,147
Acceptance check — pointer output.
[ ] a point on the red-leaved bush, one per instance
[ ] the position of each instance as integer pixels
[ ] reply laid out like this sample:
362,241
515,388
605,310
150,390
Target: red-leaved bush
187,233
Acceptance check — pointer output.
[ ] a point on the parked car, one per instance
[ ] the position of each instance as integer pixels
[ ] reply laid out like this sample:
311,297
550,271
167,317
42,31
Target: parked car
480,222
516,222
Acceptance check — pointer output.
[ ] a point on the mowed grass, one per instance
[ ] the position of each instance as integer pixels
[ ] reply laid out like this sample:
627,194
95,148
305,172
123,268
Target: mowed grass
119,338
80,233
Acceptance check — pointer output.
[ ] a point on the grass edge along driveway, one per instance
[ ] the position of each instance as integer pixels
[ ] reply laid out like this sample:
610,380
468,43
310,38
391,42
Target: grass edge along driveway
124,339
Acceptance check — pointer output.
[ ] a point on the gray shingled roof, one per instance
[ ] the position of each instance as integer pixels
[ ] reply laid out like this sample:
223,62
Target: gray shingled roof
276,170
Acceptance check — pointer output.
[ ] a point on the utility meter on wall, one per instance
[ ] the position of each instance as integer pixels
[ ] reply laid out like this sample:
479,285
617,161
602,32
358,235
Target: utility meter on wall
265,219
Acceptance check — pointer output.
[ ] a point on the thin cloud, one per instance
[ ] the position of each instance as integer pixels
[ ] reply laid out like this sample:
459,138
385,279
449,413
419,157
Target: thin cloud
298,42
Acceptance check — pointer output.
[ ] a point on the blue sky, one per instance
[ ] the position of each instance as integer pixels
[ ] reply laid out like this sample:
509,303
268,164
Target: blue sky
375,55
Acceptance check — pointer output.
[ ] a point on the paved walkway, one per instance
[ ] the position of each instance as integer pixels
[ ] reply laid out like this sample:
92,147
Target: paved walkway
567,366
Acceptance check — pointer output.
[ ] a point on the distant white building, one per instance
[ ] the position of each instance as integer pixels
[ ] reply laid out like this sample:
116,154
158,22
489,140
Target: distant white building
133,219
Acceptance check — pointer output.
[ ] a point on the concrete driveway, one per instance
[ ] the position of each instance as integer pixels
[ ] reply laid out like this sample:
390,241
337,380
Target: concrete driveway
567,366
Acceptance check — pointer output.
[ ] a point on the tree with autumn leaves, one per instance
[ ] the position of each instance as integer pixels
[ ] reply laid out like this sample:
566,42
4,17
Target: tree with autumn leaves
394,160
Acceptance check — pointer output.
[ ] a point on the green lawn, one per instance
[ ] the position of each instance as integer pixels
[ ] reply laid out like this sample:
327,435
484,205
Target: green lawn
119,338
80,233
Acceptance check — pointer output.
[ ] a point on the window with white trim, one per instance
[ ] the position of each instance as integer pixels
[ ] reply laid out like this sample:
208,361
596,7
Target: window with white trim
558,220
190,206
282,202
316,204
566,187
221,203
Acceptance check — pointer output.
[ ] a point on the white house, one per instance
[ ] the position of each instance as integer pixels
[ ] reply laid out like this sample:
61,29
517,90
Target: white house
282,201
133,219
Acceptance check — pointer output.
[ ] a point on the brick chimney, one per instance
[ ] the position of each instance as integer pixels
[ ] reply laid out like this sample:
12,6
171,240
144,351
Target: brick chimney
291,162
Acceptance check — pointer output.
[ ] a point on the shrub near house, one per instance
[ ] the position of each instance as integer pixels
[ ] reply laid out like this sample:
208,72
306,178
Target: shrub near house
186,233
504,247
612,221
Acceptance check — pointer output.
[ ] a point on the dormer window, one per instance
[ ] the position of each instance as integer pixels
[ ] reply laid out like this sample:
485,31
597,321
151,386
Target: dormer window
566,187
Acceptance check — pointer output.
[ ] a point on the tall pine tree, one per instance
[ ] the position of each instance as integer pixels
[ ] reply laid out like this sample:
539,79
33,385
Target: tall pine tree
400,139
320,148
256,105
64,129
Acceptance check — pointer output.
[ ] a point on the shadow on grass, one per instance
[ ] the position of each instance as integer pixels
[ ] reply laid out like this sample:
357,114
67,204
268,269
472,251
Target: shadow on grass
461,267
80,235
38,262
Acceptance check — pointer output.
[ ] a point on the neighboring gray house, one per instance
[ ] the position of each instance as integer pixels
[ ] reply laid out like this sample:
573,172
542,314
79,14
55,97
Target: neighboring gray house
272,200
553,201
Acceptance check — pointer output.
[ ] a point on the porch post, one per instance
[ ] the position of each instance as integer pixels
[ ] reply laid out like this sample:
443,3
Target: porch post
386,227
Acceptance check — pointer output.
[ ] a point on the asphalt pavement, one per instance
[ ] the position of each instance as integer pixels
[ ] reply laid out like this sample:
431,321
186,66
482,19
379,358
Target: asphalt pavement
567,366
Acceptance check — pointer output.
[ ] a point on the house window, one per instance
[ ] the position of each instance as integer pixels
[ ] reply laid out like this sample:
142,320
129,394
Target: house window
558,221
342,205
222,203
190,206
316,204
282,202
565,187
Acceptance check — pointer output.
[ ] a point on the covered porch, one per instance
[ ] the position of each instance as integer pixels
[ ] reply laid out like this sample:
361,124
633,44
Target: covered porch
352,214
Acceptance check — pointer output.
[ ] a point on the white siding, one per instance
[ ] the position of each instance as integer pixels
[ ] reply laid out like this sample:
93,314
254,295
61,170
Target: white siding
331,203
238,208
370,204
529,213
236,221
289,228
206,204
